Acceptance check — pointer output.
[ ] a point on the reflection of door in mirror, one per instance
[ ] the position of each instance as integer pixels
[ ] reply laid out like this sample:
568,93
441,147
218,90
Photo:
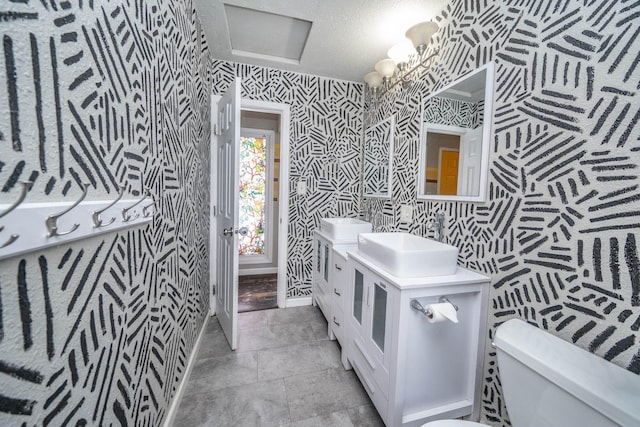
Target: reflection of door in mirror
436,143
448,167
457,117
453,174
470,148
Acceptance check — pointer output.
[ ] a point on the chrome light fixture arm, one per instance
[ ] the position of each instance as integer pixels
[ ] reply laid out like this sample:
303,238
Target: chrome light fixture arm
404,77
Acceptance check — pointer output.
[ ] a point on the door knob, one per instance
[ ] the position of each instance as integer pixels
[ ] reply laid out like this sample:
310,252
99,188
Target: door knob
230,231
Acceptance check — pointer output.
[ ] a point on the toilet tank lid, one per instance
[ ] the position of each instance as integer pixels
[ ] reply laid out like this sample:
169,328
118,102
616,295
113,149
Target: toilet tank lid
604,386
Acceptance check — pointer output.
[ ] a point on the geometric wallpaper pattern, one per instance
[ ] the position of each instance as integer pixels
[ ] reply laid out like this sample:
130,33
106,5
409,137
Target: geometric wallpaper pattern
325,134
377,147
560,229
453,112
116,95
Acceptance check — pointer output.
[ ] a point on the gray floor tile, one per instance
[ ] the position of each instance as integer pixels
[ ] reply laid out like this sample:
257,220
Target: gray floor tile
335,419
305,313
216,373
285,372
321,393
320,328
260,404
273,336
213,326
214,343
252,319
365,416
299,359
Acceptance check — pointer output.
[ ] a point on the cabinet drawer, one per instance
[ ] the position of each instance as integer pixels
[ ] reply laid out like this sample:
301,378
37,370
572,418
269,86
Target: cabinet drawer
363,371
337,325
371,366
339,279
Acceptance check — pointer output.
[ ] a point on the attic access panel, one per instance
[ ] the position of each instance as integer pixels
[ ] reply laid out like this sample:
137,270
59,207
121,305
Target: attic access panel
257,34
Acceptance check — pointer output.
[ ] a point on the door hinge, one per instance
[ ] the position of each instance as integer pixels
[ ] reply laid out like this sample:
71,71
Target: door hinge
213,289
213,208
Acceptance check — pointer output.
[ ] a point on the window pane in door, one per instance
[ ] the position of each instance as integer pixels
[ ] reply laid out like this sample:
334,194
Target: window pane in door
326,263
379,316
358,291
253,200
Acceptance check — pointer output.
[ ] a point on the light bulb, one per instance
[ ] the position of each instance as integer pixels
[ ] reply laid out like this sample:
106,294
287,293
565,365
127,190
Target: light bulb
401,52
373,79
386,68
420,35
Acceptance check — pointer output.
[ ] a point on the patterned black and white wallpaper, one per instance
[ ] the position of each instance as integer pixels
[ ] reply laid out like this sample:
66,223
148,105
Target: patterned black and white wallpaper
559,232
114,94
324,150
453,112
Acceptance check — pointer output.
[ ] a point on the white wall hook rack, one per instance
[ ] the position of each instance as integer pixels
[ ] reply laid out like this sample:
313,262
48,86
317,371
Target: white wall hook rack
28,221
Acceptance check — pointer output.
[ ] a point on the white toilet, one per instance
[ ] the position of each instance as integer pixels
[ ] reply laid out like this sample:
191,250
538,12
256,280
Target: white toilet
552,383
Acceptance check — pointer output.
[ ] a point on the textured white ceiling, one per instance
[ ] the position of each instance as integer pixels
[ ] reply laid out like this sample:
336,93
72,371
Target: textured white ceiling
347,36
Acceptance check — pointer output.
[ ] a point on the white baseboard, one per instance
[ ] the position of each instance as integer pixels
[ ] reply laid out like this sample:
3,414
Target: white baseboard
297,302
253,271
175,403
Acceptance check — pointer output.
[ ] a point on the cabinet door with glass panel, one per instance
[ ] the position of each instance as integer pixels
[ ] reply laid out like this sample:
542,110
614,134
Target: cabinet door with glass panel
370,311
321,286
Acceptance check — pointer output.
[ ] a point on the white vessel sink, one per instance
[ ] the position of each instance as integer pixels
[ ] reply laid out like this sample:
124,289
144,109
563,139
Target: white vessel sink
406,255
344,228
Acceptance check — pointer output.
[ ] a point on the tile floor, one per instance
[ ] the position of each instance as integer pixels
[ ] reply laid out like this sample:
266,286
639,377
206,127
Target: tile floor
285,372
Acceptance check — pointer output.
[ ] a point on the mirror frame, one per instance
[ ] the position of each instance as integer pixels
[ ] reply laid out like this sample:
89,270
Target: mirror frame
485,146
391,122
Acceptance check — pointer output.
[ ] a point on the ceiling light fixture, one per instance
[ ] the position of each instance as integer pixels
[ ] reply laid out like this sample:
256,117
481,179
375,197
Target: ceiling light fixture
373,80
386,68
401,55
420,35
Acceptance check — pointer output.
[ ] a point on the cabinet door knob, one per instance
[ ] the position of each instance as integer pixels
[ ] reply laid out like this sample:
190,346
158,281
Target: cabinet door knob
335,291
335,321
338,267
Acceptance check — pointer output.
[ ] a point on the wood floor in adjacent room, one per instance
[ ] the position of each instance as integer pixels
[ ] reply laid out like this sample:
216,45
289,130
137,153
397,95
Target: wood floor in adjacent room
257,292
285,372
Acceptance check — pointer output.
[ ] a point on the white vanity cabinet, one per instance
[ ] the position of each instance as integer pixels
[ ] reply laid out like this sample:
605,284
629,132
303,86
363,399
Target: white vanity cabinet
320,284
369,327
338,292
330,280
415,371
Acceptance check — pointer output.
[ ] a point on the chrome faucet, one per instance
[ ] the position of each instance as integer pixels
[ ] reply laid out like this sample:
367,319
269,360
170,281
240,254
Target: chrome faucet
437,225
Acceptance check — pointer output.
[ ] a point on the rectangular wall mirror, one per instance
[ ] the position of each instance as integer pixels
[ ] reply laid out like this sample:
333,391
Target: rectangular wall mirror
454,139
378,158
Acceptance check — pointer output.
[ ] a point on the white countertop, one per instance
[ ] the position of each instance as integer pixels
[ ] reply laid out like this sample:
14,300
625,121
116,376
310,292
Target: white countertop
462,275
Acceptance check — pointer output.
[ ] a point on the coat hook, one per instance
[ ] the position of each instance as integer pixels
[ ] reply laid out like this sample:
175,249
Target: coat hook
10,240
97,221
25,187
52,220
145,209
125,211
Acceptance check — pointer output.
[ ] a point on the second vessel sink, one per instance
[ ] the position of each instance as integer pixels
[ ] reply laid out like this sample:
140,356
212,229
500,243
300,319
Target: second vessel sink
344,228
407,255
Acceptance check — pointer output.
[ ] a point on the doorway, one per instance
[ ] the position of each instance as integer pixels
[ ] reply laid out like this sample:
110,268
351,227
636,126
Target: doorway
259,113
258,212
448,171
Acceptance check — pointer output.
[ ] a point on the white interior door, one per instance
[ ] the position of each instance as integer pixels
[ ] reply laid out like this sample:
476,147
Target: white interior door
228,153
470,156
